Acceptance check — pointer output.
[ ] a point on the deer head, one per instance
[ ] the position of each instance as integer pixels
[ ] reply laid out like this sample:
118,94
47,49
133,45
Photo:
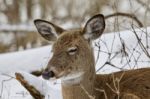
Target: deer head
72,51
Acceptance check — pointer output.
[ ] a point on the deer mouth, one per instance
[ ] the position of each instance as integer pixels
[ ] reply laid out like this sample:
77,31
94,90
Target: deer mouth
67,75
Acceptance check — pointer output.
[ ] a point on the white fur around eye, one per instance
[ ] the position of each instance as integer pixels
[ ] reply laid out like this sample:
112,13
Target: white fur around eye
72,50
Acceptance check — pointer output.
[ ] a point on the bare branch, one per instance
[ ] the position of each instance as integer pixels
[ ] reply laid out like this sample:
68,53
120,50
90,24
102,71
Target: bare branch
132,16
37,72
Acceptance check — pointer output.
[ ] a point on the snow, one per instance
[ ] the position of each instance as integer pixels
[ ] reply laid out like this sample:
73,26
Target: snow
111,43
36,59
29,60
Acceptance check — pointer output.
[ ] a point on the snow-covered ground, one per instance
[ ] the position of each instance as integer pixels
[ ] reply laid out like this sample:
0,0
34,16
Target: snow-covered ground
110,44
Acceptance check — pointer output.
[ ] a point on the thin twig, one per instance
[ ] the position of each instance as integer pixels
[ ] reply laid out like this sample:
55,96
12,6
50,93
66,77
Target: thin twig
102,90
141,44
143,4
116,83
86,92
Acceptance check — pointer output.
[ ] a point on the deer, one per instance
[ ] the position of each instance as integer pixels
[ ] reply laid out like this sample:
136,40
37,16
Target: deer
73,62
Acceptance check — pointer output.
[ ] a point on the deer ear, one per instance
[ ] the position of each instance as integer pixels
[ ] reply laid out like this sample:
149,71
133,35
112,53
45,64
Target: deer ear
94,27
48,30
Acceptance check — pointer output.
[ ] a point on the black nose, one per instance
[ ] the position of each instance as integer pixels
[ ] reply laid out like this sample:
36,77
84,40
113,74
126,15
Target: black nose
48,74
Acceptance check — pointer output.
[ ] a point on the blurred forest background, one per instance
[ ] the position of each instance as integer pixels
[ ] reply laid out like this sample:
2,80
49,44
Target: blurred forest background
17,31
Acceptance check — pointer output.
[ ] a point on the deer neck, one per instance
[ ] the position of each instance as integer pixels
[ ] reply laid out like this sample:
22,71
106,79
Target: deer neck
86,85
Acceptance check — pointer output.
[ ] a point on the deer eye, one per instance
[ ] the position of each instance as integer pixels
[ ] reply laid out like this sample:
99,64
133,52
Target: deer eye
72,50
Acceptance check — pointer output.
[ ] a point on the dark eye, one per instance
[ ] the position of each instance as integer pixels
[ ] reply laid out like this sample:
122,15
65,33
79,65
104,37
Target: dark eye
72,50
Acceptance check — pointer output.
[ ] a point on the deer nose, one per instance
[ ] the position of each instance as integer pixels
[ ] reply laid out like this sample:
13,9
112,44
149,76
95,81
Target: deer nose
48,74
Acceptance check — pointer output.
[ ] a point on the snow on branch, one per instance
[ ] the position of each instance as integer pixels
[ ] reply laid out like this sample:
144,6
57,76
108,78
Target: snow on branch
17,28
32,90
37,87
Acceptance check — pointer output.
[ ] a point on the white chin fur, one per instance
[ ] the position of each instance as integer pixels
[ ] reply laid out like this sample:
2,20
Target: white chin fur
72,79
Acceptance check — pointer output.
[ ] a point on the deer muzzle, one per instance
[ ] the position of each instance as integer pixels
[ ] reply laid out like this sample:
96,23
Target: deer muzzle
48,74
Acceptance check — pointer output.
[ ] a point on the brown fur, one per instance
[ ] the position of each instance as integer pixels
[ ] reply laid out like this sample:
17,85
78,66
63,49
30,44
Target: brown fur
131,84
134,83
